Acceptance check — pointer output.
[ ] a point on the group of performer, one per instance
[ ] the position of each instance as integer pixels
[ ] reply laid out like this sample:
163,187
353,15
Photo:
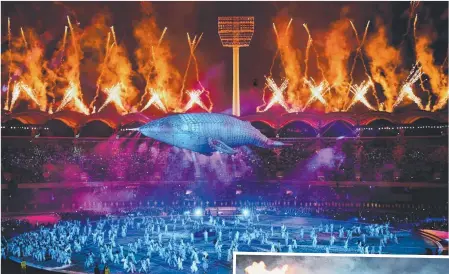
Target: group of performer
118,242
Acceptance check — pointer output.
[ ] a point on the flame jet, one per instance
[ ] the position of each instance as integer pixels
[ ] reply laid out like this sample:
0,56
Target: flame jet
206,133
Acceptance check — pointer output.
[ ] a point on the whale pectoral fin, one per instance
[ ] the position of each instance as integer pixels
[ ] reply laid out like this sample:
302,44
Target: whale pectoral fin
220,146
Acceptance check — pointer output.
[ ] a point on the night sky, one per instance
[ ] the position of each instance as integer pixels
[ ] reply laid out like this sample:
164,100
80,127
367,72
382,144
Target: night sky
215,61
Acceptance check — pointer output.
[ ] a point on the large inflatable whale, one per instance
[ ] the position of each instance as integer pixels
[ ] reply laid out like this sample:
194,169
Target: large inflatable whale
206,133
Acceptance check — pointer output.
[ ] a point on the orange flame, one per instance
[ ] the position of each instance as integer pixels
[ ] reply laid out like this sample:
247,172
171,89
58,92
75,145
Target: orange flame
438,79
278,96
94,36
54,85
62,73
309,44
25,59
18,89
384,67
290,59
385,59
359,92
65,80
337,51
407,91
116,79
154,61
155,100
359,54
115,95
71,96
97,91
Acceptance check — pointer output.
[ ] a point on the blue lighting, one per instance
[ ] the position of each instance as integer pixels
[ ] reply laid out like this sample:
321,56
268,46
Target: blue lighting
198,212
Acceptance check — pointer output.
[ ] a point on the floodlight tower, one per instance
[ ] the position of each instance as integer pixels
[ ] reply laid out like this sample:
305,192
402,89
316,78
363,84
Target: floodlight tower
235,32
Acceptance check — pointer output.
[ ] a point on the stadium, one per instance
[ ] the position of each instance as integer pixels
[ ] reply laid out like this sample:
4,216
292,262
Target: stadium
360,167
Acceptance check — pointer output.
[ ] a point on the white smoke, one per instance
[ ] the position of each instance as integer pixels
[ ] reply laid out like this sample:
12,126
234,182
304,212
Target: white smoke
348,265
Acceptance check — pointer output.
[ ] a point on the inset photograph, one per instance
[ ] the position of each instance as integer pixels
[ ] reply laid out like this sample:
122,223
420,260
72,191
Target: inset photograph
253,263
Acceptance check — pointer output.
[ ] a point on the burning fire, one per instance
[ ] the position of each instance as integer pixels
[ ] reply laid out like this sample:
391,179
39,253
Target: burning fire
359,92
26,79
438,78
337,58
19,88
407,91
154,57
115,94
290,59
380,63
33,79
155,100
115,77
338,48
260,268
72,95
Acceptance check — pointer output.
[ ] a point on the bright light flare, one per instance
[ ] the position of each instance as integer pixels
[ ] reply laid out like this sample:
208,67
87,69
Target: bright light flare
278,95
407,91
359,92
246,212
195,99
23,37
71,95
195,94
317,91
198,212
155,100
18,88
361,89
114,96
193,44
10,65
260,268
64,41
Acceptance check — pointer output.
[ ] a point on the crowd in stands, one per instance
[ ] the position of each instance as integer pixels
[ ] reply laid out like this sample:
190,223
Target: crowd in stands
106,198
47,160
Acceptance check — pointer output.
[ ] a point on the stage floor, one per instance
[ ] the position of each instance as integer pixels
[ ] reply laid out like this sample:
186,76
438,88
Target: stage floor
409,243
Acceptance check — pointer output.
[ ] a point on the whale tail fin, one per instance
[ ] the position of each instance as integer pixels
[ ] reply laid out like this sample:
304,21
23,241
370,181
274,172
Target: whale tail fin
220,146
273,144
278,144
